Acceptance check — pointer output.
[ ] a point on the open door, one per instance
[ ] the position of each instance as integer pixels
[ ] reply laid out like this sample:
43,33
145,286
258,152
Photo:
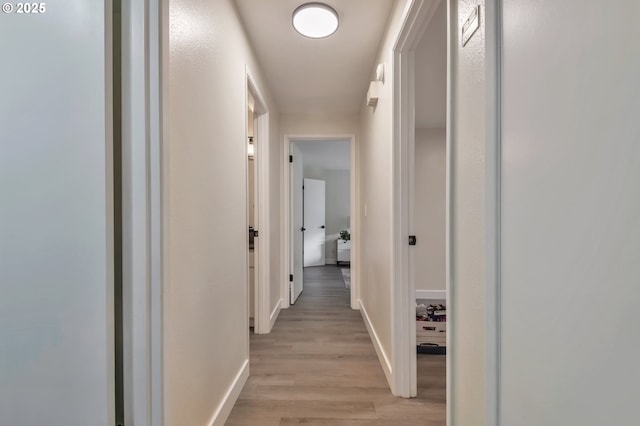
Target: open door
297,179
314,222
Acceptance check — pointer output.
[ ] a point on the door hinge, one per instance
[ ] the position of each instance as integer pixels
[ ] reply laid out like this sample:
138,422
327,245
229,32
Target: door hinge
412,240
291,158
255,233
290,278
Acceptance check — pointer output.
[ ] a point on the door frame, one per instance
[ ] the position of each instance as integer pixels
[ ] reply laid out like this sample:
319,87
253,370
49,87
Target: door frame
418,14
144,201
263,319
287,207
403,330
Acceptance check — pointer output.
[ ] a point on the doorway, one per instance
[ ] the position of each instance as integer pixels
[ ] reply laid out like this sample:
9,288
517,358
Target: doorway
427,267
320,198
257,154
421,188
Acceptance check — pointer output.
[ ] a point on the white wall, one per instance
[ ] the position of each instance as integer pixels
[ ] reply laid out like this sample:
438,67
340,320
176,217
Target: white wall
429,204
468,192
570,213
56,206
374,156
206,319
318,124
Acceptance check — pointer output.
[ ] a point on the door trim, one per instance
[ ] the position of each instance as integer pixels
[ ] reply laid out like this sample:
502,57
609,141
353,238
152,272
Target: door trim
286,233
262,313
493,206
143,203
403,331
417,17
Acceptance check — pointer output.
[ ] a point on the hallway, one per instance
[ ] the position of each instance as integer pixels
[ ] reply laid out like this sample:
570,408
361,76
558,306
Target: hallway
319,367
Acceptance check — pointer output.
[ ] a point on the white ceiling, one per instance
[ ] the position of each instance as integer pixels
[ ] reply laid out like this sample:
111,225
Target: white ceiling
317,75
431,72
330,155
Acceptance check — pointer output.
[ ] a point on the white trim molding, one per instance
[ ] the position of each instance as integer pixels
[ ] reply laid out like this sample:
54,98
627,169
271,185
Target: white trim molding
382,355
262,310
286,208
223,410
143,202
493,203
274,315
431,294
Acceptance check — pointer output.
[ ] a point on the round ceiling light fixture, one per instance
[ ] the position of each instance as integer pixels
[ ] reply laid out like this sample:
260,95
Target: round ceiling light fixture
315,20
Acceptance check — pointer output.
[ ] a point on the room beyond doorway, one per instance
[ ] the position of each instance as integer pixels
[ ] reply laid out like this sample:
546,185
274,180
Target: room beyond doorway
320,196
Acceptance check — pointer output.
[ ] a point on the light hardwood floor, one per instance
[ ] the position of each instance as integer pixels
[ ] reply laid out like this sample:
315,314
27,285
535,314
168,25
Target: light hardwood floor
318,367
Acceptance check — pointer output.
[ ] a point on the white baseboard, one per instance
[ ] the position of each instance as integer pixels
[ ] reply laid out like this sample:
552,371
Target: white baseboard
355,305
431,294
382,356
226,405
274,315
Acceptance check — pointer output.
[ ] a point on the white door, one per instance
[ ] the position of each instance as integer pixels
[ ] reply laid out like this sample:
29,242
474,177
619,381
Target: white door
56,218
314,234
297,181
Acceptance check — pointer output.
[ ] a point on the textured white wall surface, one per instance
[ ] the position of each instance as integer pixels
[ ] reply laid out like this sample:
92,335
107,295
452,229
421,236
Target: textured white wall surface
429,204
571,213
374,180
468,243
56,204
318,124
206,319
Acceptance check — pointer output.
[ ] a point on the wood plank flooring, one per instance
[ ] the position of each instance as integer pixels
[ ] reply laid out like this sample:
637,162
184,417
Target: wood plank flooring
318,367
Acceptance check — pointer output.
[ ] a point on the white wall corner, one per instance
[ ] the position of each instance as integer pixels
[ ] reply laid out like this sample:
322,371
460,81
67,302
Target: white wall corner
221,414
382,355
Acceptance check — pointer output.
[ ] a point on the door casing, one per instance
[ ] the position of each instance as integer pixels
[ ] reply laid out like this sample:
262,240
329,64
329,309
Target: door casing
286,234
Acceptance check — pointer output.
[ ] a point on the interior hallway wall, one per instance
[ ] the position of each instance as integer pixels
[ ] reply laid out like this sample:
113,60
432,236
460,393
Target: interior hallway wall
570,213
375,154
318,124
205,300
430,208
468,290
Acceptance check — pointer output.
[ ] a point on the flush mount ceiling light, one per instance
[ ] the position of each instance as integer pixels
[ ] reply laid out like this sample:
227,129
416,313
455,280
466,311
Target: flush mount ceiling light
315,20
